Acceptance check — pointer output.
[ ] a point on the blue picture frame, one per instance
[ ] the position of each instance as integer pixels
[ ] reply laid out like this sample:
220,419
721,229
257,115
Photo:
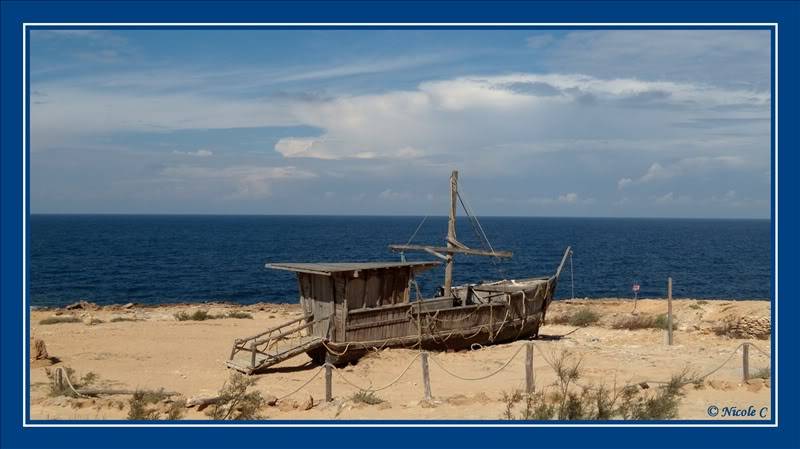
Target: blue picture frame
17,430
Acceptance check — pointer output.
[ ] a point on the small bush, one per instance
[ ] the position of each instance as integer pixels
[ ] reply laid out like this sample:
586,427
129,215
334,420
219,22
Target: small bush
236,402
594,402
582,318
119,319
197,315
695,306
60,319
143,406
203,315
366,397
635,322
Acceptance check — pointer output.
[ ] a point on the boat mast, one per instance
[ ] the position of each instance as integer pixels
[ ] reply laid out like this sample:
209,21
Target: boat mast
451,231
453,246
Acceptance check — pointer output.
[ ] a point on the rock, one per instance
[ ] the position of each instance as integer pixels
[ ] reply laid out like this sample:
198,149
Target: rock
755,385
287,405
39,350
90,320
459,399
308,404
644,385
720,384
744,327
128,305
270,399
82,305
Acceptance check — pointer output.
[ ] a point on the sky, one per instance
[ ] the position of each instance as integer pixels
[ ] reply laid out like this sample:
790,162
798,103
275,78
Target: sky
609,123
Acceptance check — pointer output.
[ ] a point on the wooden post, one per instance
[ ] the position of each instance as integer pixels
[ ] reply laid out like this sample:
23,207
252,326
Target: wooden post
253,355
58,379
328,382
669,311
451,232
745,362
529,385
426,378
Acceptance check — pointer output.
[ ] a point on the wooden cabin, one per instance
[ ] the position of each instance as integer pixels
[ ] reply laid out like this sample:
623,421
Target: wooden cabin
330,292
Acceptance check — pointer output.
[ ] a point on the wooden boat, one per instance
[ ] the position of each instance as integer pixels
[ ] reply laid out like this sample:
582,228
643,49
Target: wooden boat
352,308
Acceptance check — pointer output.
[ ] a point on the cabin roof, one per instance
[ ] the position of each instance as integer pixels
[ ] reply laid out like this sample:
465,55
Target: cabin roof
328,268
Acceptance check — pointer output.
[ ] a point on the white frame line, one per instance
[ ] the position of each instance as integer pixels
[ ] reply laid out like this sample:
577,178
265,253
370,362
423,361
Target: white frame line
25,384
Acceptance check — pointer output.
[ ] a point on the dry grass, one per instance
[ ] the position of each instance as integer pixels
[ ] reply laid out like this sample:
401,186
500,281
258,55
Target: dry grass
634,322
236,402
60,319
366,397
565,400
203,315
582,318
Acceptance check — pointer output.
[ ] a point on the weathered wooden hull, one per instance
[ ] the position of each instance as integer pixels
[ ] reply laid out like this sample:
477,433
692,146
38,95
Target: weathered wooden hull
476,315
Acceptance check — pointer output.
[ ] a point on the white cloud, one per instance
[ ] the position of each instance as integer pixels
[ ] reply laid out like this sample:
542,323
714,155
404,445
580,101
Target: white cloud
570,198
199,153
390,194
624,182
246,181
685,167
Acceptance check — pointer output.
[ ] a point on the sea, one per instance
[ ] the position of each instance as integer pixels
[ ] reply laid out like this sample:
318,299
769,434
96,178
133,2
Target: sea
159,259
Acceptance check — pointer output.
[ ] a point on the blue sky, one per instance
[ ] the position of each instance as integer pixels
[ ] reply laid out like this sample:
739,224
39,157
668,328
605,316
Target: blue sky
651,123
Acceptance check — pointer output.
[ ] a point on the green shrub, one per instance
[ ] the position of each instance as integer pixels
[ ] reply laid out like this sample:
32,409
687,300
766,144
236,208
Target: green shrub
144,406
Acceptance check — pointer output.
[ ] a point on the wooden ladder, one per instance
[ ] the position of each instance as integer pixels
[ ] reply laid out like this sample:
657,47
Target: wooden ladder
260,351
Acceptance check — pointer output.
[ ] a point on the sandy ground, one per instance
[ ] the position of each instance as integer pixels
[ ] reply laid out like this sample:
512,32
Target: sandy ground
157,351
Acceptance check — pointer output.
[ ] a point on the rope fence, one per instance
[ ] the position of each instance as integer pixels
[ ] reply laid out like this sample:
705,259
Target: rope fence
529,371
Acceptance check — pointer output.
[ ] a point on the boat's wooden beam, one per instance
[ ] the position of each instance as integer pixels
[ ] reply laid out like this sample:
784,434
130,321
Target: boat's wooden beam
450,250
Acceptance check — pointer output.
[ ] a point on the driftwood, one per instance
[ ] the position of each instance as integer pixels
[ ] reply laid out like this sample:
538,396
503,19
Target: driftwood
99,391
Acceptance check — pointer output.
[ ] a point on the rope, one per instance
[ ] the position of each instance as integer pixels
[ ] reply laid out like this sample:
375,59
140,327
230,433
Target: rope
395,380
505,365
302,386
417,230
759,349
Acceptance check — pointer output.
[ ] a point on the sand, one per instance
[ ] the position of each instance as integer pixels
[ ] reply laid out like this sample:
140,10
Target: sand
157,351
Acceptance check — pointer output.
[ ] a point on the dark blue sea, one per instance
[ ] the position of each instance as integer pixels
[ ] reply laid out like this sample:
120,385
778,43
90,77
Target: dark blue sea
162,259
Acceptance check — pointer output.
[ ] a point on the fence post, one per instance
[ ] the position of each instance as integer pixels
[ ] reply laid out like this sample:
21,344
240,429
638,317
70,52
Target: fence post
529,381
328,378
669,311
745,362
426,378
